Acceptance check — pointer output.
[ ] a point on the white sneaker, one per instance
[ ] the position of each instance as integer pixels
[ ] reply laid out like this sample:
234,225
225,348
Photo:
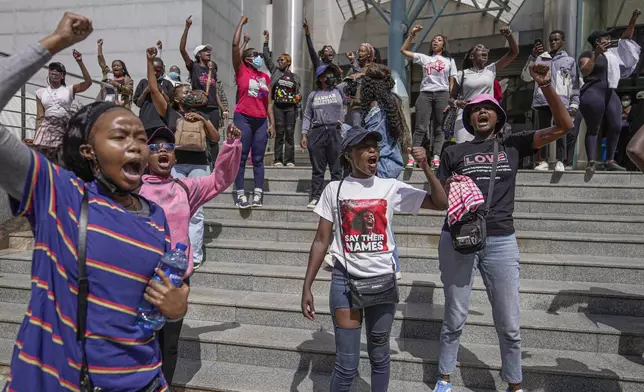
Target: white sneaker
278,164
436,162
411,162
312,204
290,164
559,167
543,166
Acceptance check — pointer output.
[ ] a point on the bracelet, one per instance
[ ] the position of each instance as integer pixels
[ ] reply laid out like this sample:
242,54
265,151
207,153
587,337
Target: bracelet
544,85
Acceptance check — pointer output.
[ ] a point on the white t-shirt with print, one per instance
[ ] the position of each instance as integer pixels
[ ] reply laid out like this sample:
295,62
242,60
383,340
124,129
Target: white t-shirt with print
367,207
436,71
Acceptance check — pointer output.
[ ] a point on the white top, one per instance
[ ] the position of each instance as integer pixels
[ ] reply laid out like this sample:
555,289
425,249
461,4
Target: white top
56,101
474,83
367,207
436,71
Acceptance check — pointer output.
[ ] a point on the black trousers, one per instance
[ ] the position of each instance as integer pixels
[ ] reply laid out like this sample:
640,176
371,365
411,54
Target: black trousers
169,343
565,144
325,145
285,117
429,110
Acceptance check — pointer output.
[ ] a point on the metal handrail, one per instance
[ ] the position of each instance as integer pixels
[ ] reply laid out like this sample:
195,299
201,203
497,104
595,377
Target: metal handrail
26,115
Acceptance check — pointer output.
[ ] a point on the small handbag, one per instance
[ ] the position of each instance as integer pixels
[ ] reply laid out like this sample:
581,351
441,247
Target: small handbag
449,119
85,383
366,292
469,234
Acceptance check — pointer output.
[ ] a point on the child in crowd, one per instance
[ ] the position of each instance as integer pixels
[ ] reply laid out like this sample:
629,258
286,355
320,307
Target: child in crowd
180,199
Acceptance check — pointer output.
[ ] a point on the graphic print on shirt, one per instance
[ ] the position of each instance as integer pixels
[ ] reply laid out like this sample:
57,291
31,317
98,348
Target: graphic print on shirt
323,98
438,65
203,80
284,90
364,225
257,87
479,165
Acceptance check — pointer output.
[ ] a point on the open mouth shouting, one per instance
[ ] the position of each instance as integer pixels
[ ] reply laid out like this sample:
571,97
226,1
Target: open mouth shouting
132,171
483,120
164,161
372,164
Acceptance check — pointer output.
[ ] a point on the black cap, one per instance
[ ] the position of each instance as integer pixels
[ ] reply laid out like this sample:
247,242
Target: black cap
356,135
597,34
57,67
163,133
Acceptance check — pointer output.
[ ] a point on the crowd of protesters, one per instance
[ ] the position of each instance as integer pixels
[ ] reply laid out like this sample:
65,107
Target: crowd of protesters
148,177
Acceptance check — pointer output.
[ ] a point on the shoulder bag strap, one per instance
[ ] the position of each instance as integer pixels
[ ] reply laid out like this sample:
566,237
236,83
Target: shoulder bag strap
344,254
490,190
209,77
183,185
83,289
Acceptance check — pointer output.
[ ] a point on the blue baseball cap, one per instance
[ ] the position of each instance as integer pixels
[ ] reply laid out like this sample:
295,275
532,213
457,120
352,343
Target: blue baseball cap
322,68
356,135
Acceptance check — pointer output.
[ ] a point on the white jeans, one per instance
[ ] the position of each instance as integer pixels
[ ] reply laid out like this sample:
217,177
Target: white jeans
196,229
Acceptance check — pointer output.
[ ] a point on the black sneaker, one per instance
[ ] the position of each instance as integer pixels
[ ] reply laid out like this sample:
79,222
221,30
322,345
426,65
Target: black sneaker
591,167
242,202
258,199
613,166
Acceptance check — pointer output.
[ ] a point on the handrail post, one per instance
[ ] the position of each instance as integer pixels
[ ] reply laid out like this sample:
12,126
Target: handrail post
23,112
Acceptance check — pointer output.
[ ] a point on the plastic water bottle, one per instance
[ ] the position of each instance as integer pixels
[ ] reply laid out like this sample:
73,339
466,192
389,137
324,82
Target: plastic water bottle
174,264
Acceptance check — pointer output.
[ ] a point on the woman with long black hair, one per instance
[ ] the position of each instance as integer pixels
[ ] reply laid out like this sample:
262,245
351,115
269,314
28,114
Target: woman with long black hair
439,73
105,154
601,69
119,89
54,106
477,77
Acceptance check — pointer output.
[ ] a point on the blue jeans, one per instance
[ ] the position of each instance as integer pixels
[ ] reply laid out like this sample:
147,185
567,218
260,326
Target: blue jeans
195,231
378,320
255,135
498,264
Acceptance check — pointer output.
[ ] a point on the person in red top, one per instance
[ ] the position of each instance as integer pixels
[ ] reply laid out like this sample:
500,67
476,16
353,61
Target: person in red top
252,115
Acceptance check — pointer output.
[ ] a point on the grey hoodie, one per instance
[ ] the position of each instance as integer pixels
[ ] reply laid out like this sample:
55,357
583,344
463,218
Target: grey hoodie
565,80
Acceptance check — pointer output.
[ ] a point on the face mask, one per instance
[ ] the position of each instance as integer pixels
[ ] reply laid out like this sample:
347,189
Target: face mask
175,76
258,62
330,80
626,103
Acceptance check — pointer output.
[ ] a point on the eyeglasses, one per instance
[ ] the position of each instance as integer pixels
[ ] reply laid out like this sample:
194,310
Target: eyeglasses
157,147
255,54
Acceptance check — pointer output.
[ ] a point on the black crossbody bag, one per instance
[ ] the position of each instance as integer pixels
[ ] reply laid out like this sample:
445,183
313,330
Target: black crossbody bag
469,234
83,291
366,292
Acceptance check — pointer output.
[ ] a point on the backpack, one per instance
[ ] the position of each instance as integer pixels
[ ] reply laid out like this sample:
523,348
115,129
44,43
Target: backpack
190,136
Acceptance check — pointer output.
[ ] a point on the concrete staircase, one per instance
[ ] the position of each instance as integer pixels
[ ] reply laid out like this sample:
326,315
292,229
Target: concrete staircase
582,294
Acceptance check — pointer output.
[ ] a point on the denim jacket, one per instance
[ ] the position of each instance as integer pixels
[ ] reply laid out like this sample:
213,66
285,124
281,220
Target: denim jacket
391,163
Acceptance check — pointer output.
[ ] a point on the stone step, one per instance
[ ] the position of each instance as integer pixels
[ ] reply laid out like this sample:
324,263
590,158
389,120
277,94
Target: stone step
524,176
411,359
203,375
546,295
421,237
421,260
534,266
611,224
533,205
539,329
525,190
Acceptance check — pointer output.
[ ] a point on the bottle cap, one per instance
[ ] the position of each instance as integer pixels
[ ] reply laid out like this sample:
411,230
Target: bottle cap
181,246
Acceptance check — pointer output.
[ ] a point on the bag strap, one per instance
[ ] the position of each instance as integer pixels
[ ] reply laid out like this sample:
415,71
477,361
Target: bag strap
209,77
344,254
490,190
183,185
83,284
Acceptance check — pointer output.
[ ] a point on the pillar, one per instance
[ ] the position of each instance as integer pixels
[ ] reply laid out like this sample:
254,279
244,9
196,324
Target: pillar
288,37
